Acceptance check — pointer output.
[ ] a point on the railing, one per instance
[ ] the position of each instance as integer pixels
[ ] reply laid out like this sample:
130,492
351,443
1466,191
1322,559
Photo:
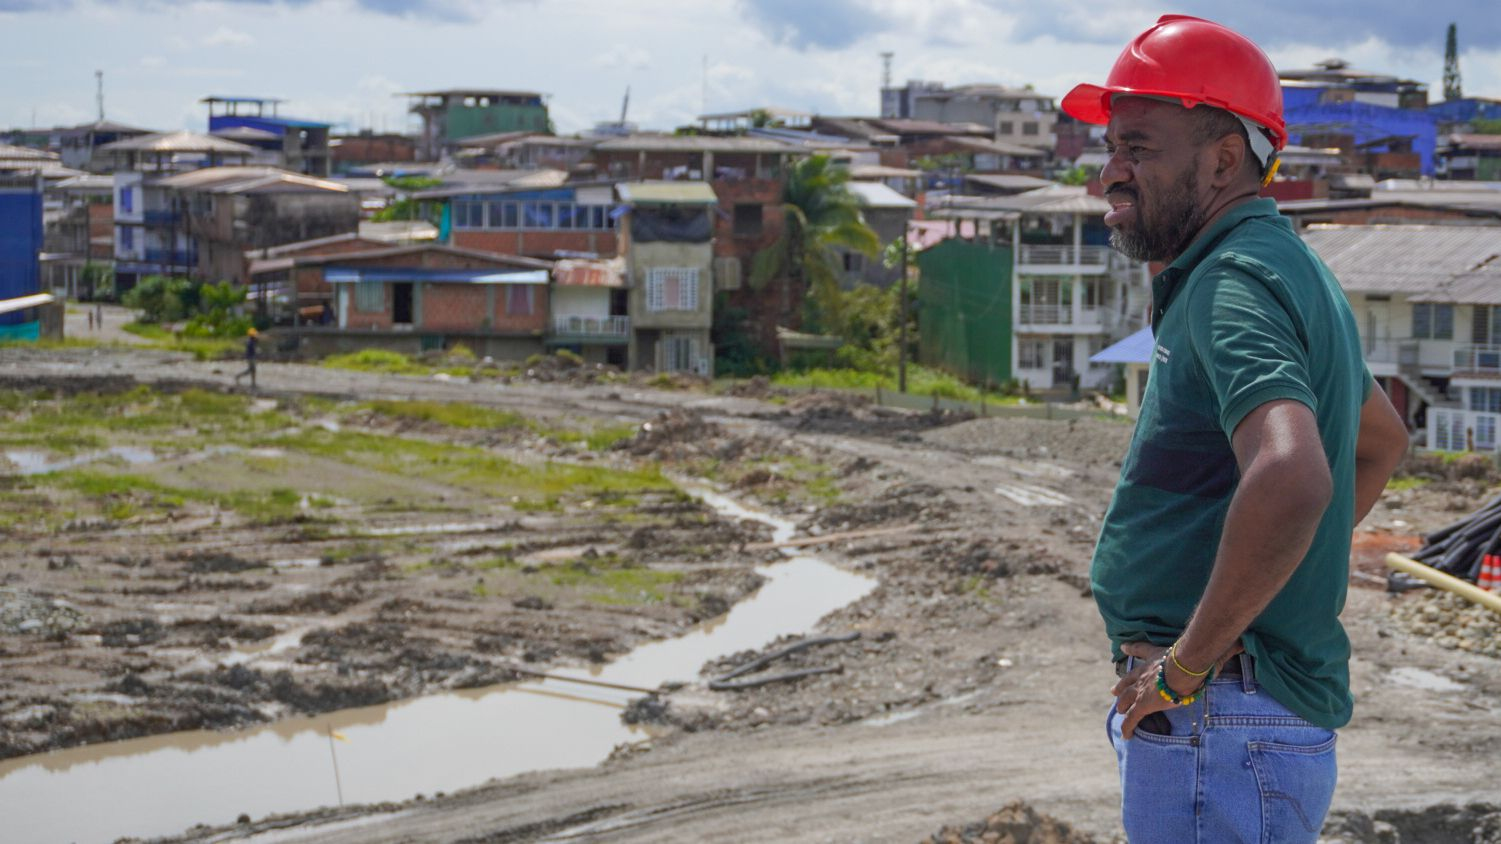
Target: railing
1451,429
171,257
1045,315
1060,255
591,326
1478,358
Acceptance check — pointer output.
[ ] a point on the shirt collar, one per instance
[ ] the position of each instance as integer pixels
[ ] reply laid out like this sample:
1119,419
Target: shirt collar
1166,284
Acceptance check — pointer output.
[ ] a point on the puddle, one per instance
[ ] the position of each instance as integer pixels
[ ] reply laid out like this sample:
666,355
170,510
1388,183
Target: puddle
33,462
446,527
164,784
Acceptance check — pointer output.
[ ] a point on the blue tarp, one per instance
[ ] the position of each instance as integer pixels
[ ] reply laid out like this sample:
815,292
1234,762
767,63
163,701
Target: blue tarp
1134,349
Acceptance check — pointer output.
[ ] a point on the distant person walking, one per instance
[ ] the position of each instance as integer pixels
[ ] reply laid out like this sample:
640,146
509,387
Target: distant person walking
1223,560
252,345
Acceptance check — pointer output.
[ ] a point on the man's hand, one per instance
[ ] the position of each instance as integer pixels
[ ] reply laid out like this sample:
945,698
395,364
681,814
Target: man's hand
1136,694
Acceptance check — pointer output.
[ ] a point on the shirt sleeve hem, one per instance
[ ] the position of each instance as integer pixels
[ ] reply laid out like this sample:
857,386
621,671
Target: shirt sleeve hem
1239,409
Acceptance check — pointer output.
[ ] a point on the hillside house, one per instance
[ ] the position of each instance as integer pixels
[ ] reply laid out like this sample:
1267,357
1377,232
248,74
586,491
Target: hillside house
667,238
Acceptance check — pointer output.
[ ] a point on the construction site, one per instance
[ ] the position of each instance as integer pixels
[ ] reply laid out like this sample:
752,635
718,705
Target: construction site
351,607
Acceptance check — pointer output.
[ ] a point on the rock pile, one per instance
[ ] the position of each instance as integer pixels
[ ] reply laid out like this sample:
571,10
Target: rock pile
24,612
1451,622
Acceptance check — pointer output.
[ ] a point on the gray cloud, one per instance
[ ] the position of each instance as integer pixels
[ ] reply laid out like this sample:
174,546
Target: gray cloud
1275,23
829,24
442,10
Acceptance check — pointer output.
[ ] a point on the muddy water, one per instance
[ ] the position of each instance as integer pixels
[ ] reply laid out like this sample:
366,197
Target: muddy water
165,784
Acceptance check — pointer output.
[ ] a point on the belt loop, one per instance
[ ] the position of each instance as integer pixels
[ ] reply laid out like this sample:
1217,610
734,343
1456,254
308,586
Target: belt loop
1247,673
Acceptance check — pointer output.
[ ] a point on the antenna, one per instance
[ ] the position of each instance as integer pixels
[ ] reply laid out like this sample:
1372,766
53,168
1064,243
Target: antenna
886,69
99,84
625,104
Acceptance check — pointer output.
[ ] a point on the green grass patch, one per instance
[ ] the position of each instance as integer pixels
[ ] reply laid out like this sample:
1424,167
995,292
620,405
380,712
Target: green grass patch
474,468
615,586
119,496
451,415
1399,483
148,330
377,360
921,381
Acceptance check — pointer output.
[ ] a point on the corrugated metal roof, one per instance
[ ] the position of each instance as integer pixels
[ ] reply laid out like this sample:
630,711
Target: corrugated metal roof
247,180
577,272
877,195
1481,286
693,143
354,275
1054,199
171,142
1008,181
996,147
1410,260
881,171
667,193
15,153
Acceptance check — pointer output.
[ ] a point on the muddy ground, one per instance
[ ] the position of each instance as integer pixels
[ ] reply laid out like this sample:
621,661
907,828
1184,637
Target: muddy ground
346,538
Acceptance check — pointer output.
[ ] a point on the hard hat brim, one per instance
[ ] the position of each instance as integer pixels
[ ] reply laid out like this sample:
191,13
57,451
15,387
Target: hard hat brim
1089,103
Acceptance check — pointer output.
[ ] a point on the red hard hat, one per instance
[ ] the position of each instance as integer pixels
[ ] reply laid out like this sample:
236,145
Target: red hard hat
1196,62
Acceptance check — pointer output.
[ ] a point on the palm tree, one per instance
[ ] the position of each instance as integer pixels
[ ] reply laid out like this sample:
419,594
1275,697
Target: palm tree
820,217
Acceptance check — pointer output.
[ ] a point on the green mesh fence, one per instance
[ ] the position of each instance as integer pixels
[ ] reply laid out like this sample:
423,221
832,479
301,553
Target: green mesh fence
964,310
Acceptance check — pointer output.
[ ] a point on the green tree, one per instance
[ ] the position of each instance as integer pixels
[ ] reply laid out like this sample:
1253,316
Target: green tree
820,216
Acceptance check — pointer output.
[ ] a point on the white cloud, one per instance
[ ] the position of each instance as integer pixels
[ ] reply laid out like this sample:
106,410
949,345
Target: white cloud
226,37
626,58
153,61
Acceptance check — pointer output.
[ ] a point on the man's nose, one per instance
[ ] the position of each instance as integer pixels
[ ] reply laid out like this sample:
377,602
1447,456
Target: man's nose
1115,172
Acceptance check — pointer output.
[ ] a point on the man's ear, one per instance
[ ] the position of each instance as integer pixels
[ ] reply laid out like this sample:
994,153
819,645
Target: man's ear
1229,153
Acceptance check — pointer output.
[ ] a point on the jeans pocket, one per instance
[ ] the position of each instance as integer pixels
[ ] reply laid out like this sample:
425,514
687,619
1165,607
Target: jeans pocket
1158,787
1296,782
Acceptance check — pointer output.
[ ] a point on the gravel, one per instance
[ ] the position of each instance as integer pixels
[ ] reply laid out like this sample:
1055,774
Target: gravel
1087,440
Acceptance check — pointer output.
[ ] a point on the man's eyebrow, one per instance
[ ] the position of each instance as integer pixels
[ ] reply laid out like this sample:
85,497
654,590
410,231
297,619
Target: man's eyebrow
1130,135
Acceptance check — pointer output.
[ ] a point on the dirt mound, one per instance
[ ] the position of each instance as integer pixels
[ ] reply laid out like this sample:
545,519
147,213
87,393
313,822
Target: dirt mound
828,404
905,504
1451,622
1445,823
675,435
1093,441
758,387
70,385
1017,823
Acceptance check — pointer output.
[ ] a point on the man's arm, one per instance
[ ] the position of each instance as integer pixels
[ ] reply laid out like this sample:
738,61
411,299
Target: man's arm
1378,449
1284,489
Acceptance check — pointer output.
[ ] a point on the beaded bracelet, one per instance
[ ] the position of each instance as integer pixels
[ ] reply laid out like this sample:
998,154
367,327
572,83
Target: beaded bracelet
1173,697
1172,653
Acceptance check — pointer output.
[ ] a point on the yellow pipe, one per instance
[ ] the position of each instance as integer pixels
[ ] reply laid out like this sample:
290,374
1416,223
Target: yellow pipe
1433,576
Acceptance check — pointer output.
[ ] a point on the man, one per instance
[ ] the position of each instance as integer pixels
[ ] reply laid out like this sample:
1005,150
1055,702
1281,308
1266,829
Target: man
1222,562
252,342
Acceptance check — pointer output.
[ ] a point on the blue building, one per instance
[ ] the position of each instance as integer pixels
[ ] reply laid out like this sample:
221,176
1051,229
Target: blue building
301,146
1457,115
1361,128
20,248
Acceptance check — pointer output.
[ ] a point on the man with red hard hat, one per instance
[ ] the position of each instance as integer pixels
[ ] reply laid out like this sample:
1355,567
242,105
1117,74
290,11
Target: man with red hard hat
1222,563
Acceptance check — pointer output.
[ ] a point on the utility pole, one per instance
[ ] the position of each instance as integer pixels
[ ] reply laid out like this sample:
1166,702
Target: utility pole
901,360
1452,88
99,85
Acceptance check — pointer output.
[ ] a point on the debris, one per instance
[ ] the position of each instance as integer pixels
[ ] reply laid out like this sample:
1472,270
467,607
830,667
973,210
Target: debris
1463,549
722,682
1016,823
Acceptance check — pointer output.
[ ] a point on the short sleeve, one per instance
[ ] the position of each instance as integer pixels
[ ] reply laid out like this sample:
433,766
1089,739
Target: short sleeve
1247,342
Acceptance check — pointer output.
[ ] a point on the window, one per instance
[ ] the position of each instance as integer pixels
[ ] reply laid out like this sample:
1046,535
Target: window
672,289
369,296
747,220
1485,325
520,300
854,262
1029,128
468,214
127,200
1432,321
536,215
127,239
1007,127
1031,354
679,353
1487,399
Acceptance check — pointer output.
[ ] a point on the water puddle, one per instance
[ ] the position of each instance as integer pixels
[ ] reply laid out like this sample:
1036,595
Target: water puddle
165,784
34,462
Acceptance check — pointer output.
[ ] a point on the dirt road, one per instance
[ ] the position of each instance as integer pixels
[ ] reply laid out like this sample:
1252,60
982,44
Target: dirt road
980,676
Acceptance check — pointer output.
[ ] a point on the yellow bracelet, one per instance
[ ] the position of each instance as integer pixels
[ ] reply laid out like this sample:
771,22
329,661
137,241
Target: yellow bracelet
1172,653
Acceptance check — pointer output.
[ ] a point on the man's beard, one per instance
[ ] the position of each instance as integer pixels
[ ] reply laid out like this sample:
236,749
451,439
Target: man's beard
1166,227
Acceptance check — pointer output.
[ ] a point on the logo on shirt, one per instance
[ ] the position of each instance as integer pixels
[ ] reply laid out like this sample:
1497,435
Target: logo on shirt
1163,353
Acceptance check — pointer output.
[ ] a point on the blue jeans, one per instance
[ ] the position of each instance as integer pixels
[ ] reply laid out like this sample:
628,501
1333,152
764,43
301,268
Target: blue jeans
1237,766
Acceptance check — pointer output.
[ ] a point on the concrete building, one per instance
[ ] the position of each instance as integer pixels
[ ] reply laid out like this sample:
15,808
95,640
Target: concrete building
301,146
887,213
20,247
1013,115
78,251
668,241
78,143
453,115
539,221
1071,295
420,298
591,310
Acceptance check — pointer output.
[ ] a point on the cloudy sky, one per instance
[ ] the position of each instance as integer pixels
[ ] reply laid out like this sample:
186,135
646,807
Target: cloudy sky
343,60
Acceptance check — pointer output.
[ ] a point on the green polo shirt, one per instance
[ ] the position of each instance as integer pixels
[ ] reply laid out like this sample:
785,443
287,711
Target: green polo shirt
1247,315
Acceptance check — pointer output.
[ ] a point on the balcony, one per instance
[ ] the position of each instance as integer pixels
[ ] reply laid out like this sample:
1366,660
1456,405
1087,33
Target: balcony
1031,316
605,328
1062,259
1486,359
171,257
160,217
